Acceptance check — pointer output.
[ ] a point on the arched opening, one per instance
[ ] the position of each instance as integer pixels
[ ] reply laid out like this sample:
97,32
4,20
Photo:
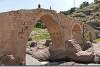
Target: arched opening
50,32
38,44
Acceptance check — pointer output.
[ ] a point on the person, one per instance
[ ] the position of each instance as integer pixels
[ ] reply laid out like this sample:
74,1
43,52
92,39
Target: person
50,7
39,6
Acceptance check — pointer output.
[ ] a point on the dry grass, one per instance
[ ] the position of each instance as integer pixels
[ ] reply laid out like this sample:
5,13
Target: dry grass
40,34
98,40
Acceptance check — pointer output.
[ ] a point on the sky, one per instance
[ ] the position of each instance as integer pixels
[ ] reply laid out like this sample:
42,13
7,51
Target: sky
58,5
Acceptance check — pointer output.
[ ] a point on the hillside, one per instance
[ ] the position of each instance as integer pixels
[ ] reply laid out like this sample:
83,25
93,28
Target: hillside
88,13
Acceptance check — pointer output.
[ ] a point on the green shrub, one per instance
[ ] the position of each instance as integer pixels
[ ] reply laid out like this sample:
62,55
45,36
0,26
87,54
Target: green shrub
79,14
40,24
96,1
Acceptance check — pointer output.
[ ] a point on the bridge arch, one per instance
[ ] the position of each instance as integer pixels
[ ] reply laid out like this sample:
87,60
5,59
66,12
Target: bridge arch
27,22
17,25
53,28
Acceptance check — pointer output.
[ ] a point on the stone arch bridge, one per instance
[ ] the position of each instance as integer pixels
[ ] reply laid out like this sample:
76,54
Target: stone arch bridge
15,27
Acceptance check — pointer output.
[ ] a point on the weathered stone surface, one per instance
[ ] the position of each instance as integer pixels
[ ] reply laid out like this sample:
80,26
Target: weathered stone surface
40,54
73,45
77,54
15,27
10,60
86,57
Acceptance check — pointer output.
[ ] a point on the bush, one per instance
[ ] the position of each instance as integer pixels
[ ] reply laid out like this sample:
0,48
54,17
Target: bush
96,1
40,24
69,11
79,14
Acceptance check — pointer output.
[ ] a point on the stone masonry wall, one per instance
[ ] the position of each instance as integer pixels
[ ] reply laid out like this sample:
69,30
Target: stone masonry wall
15,27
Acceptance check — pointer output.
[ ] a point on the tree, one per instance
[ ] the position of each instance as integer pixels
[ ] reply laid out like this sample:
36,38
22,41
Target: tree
69,11
72,10
84,4
40,24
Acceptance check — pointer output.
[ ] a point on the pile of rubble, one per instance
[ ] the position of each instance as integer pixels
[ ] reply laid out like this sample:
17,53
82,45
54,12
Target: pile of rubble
41,52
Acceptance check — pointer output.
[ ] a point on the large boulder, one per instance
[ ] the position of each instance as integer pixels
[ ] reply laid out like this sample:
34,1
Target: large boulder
85,57
67,53
73,46
79,54
74,52
41,54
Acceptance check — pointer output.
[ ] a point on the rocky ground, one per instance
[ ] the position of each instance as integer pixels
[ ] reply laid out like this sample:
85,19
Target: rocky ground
41,51
96,47
32,61
37,50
